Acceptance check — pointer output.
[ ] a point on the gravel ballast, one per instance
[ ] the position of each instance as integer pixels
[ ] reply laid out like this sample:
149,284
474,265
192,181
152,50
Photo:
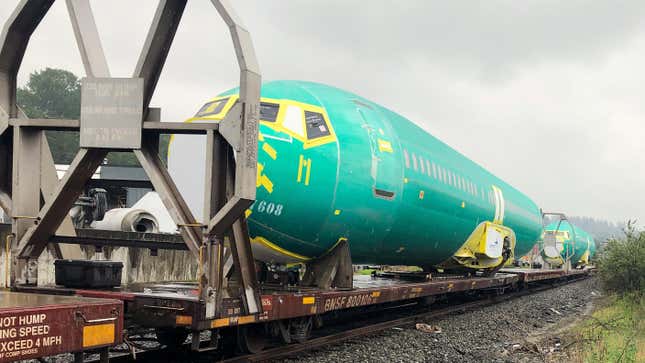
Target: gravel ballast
505,332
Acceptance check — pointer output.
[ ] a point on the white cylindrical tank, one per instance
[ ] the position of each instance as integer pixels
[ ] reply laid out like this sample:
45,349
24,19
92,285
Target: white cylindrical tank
128,220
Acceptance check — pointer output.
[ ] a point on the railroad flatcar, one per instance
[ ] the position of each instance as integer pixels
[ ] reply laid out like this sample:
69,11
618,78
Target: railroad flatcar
567,243
335,166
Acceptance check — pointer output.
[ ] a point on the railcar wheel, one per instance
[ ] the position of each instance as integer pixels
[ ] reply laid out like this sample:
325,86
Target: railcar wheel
301,329
252,338
171,337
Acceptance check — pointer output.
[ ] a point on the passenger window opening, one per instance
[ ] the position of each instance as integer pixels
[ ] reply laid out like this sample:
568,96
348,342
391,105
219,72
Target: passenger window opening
422,163
269,111
407,158
316,125
385,194
414,162
212,108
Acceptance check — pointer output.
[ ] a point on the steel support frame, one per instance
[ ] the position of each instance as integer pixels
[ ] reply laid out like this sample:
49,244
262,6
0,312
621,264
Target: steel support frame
241,131
6,155
26,197
60,198
14,39
149,159
563,217
230,181
334,269
214,199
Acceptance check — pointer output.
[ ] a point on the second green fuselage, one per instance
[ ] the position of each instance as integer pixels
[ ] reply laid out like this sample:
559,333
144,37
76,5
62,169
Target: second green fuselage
573,243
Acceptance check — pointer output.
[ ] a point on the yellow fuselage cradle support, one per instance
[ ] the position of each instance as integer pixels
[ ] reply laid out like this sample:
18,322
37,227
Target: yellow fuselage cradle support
584,260
554,261
484,248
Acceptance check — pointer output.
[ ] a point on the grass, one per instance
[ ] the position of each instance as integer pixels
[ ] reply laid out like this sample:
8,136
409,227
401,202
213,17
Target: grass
614,333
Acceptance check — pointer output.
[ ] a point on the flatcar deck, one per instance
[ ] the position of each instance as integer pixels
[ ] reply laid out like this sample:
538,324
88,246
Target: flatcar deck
177,304
533,275
40,325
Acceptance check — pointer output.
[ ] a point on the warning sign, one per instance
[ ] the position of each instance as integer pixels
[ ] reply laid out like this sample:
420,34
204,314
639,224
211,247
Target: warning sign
25,335
55,325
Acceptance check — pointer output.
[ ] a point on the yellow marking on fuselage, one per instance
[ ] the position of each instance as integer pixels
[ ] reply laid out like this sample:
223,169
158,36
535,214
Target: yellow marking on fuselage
385,146
260,137
265,242
463,204
302,163
258,179
337,212
270,245
247,213
500,205
263,180
270,151
267,183
308,173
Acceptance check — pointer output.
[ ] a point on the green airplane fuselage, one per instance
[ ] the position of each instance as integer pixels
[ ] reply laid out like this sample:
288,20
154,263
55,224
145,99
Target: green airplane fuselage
575,242
333,165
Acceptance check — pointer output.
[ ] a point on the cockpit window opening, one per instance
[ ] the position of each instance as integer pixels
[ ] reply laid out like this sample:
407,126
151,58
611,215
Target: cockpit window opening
212,108
316,125
293,120
269,111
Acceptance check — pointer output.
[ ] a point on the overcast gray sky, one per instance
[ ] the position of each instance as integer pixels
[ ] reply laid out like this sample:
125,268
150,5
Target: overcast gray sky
547,95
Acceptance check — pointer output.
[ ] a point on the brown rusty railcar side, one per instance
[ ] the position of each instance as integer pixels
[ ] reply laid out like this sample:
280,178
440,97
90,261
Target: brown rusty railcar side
37,325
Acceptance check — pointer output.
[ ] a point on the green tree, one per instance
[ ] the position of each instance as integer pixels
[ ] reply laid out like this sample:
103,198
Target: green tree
51,93
621,264
56,93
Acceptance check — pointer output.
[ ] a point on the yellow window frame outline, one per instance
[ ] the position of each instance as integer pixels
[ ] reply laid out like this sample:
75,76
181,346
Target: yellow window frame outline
306,142
219,116
278,124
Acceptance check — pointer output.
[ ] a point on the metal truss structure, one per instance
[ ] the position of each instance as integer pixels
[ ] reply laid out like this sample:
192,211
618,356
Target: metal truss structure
116,116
